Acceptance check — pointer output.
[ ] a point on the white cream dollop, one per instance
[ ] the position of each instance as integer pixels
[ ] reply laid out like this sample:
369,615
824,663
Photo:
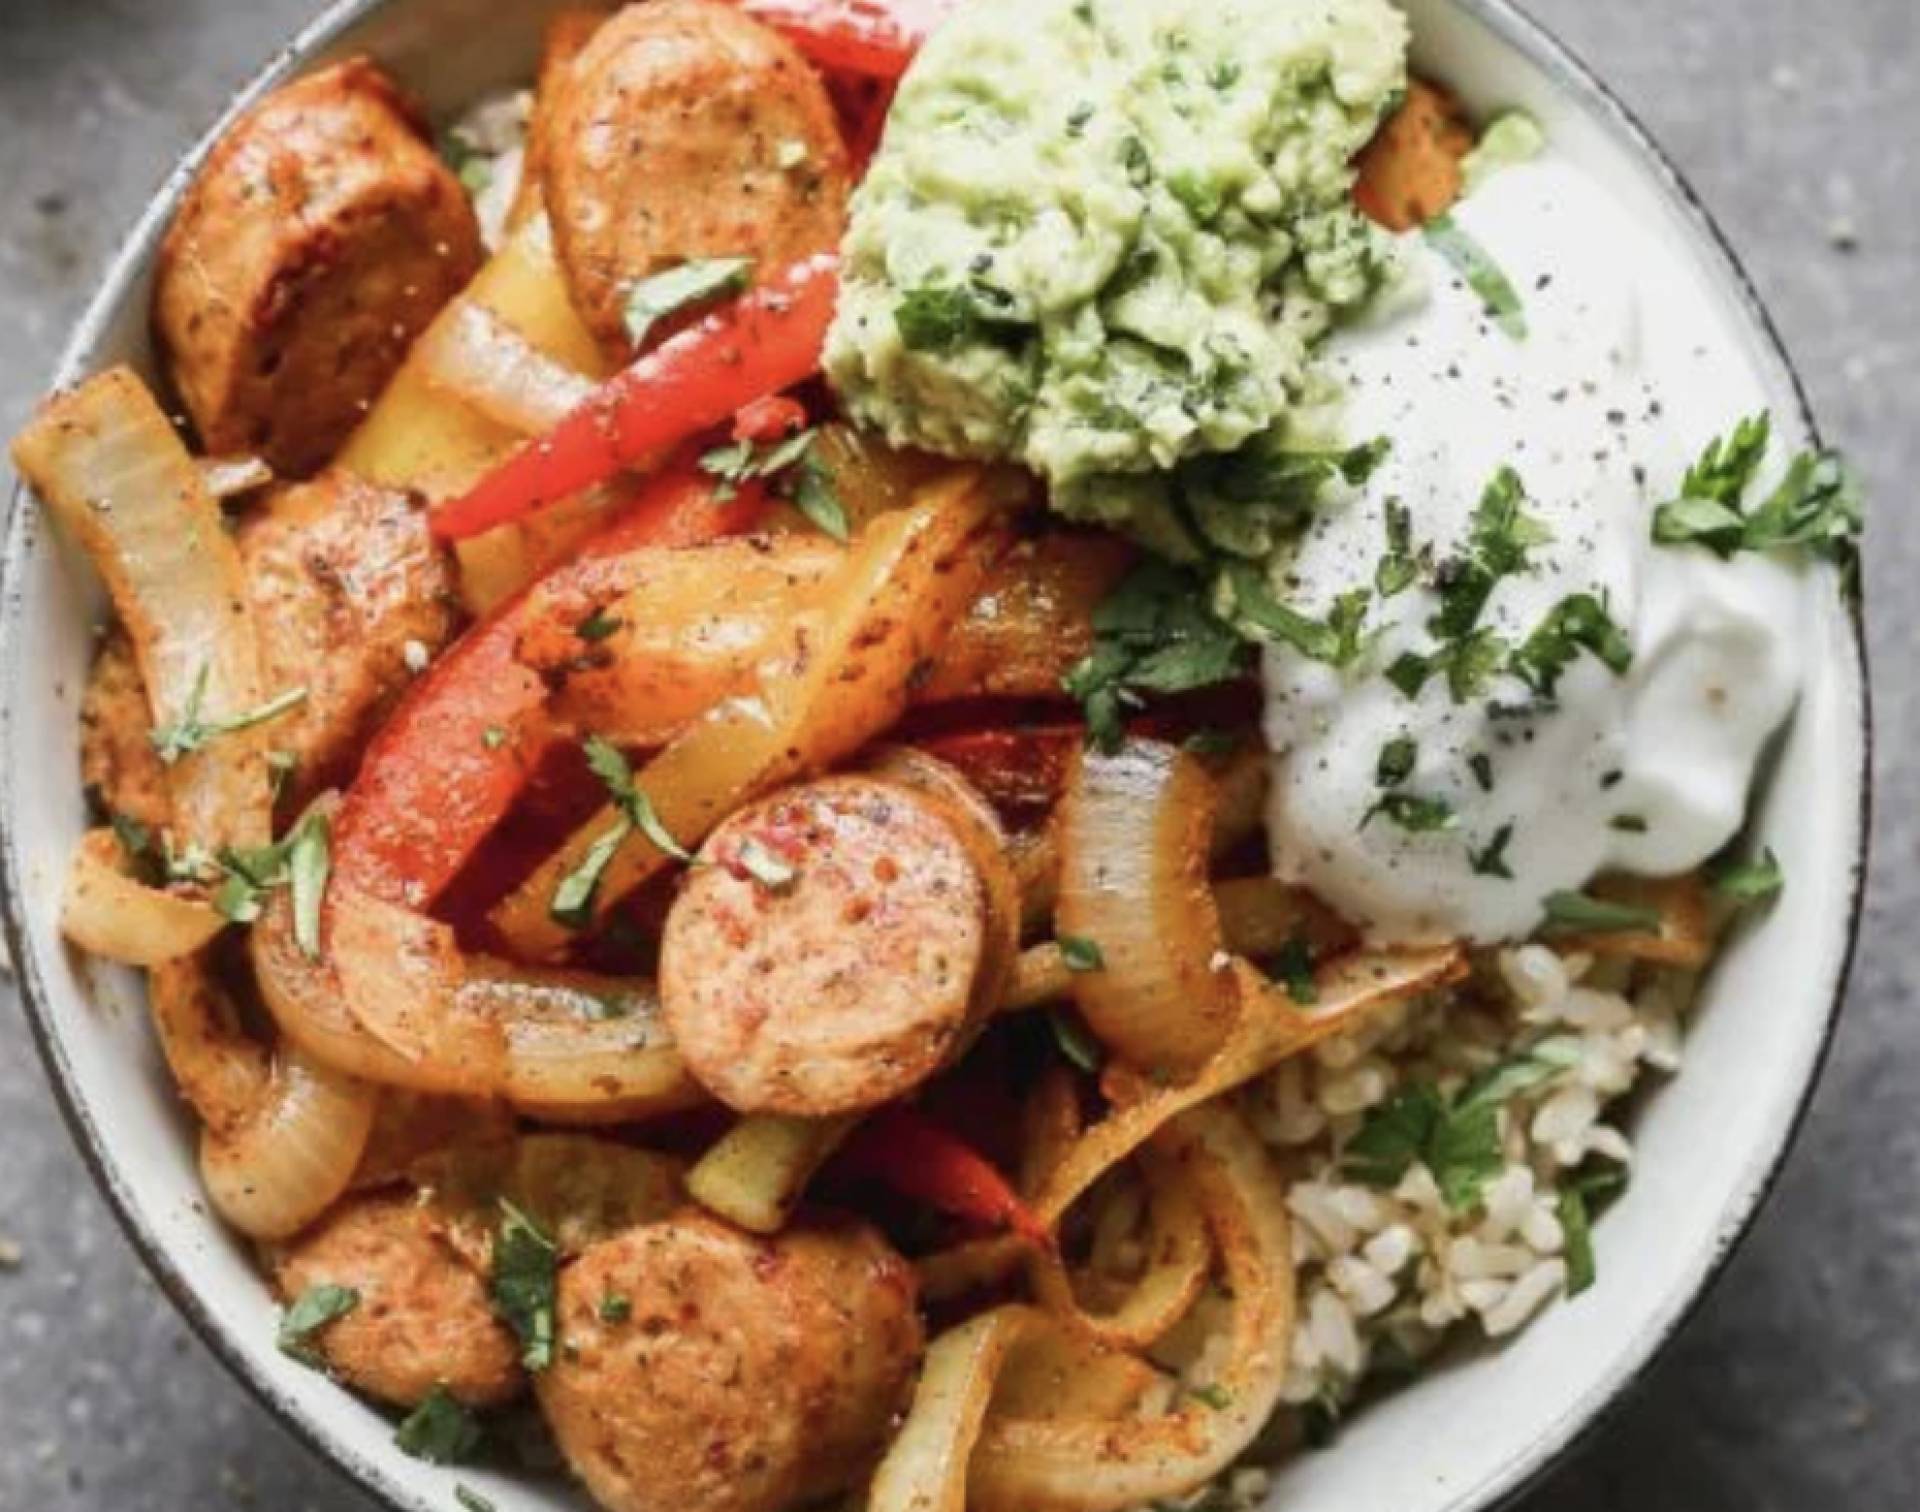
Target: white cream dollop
1618,383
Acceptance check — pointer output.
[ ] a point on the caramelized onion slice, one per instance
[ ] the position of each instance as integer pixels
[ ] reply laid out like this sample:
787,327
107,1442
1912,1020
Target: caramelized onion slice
1134,833
281,1137
116,475
1268,1028
925,1469
108,913
757,1173
1098,1464
908,577
476,356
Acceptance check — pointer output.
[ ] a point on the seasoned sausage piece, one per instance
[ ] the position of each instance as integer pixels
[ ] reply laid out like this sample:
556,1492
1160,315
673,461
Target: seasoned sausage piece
824,959
422,1319
342,575
117,761
687,130
1410,172
320,237
707,1368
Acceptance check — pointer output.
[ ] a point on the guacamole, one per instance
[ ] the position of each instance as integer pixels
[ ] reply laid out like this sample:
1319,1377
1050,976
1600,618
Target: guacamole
1099,235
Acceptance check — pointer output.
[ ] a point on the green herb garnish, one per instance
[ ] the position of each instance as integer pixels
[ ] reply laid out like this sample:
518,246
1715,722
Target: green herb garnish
1293,968
1749,881
522,1285
191,731
597,626
1078,953
1397,760
772,872
615,1308
1579,622
606,763
1491,859
1817,504
1418,814
1590,915
439,1431
1482,274
1076,1042
310,1312
652,300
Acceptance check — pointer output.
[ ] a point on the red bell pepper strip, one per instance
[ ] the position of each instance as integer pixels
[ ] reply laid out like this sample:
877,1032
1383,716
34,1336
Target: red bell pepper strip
773,418
463,743
910,1154
768,340
875,38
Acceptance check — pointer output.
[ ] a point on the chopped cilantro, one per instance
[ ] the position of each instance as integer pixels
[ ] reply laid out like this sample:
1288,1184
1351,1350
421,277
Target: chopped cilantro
572,901
1579,622
813,493
493,737
1212,1395
1590,915
1576,1239
611,768
1628,824
1491,859
1418,814
699,282
1399,569
309,864
1394,1135
1482,274
439,1431
1397,760
1481,765
1816,505
1749,881
188,733
1337,640
522,1285
1293,966
597,626
938,318
1081,954
1076,1041
1152,634
310,1312
615,1308
772,872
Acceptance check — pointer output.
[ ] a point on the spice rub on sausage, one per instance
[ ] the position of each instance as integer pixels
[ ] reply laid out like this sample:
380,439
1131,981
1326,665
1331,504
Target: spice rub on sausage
421,1318
320,237
825,957
686,130
708,1368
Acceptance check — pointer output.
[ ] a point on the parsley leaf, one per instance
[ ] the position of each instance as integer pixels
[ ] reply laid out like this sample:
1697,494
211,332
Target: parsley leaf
188,733
1418,814
615,1308
472,1500
597,626
1576,1239
1749,881
652,300
815,496
1293,968
1816,505
1491,859
572,901
1394,1135
606,763
774,873
1152,634
309,864
1579,622
939,318
1081,954
1464,1153
310,1312
1397,760
1482,274
1076,1042
1337,640
1590,915
439,1431
522,1285
1399,569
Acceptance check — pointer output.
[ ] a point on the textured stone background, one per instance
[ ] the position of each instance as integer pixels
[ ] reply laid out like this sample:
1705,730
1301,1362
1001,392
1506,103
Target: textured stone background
1799,1381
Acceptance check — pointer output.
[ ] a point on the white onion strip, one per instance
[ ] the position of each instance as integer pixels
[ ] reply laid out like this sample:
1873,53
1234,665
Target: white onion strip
476,356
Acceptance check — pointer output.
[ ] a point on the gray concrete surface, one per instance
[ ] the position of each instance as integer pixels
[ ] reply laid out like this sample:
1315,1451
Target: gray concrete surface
1797,1385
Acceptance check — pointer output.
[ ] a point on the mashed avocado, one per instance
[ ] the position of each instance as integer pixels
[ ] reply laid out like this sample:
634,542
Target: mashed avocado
1100,234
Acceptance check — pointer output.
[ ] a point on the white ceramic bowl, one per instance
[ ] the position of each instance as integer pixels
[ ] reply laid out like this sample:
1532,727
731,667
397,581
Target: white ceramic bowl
1709,1143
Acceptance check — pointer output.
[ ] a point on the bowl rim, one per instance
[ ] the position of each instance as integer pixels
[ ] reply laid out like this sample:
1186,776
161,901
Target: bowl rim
1536,1461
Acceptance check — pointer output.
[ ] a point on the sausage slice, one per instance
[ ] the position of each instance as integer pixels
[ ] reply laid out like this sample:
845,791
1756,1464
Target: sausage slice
422,1319
707,1368
320,237
342,574
687,130
825,957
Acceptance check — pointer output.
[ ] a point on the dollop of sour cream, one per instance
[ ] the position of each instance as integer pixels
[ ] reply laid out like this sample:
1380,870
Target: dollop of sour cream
1598,409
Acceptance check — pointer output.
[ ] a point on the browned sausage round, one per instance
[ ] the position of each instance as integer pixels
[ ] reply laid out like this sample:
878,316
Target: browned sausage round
422,1320
317,241
687,130
342,575
825,957
702,1367
117,761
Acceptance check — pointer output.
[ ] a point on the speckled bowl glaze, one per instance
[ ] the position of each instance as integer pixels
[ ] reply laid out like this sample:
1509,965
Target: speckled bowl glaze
1471,1436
